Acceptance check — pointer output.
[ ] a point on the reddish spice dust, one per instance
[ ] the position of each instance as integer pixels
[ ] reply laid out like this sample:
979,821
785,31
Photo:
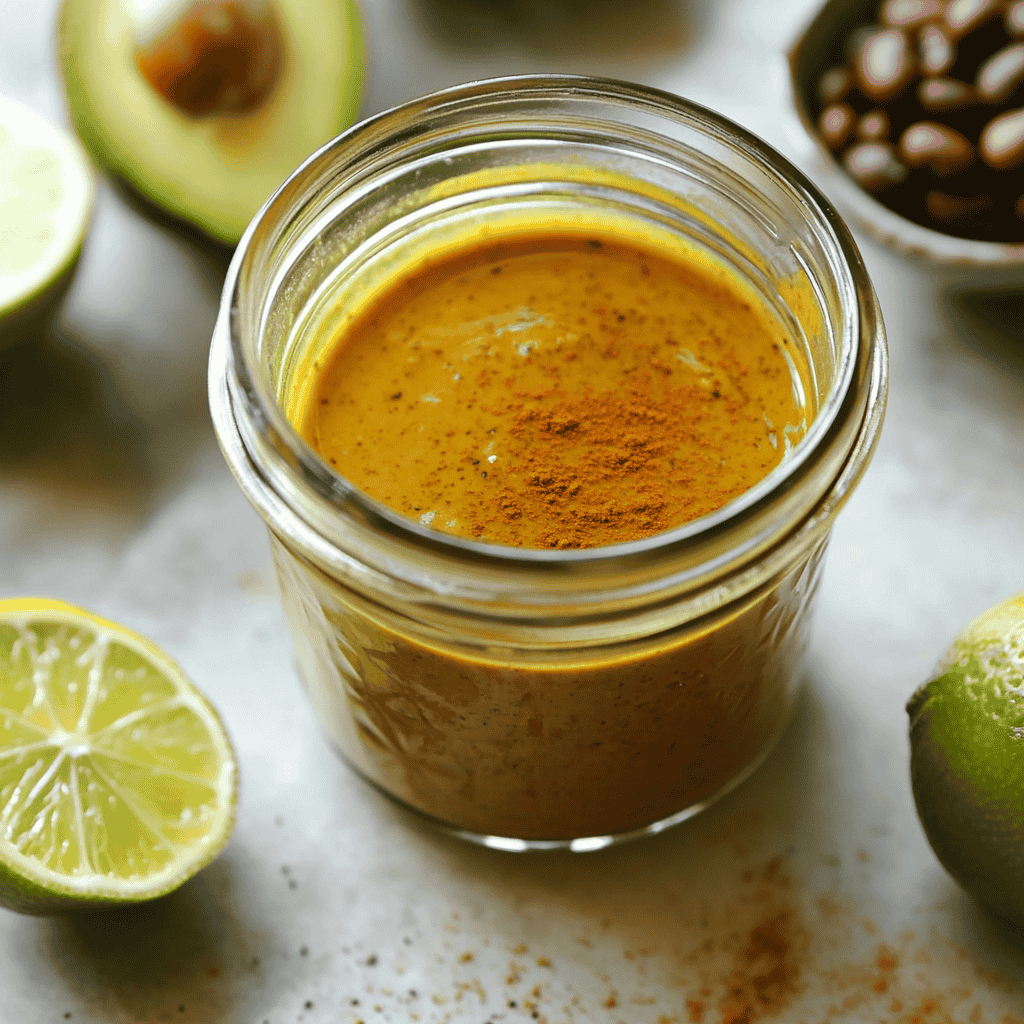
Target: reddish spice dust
785,962
766,974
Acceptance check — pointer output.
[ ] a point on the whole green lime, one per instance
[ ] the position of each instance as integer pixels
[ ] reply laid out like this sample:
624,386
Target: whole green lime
967,759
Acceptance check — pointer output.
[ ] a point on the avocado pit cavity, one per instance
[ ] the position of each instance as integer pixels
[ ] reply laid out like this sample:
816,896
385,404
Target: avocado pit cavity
209,57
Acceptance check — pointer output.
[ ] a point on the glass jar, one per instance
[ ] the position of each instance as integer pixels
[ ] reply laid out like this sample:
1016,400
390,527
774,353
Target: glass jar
533,699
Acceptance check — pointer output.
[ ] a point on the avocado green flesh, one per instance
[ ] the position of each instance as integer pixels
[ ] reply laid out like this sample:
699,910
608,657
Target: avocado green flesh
967,762
212,172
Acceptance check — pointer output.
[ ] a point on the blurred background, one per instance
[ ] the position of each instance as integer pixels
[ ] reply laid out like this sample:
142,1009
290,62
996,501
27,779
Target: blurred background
809,894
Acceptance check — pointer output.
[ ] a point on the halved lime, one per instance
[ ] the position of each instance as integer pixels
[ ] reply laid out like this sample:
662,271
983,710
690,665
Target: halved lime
47,188
117,779
967,758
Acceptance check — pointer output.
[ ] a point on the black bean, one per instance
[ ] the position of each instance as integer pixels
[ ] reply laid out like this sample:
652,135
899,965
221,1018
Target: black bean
1014,20
941,94
885,64
942,148
937,51
1000,75
964,16
909,14
874,166
834,85
873,126
835,124
1002,141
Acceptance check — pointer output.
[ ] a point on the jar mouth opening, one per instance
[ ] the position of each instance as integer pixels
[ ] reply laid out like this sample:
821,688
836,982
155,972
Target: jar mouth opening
405,133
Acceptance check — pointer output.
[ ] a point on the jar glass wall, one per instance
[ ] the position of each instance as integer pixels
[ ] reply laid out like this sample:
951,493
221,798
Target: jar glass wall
537,698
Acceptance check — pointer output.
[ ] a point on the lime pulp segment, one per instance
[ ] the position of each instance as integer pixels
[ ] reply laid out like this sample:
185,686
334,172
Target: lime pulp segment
117,780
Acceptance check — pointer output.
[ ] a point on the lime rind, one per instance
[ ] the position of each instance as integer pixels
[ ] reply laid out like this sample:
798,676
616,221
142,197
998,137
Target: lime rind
117,779
967,759
47,192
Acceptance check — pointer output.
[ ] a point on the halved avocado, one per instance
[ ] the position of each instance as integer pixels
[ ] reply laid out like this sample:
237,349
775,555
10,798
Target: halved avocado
211,171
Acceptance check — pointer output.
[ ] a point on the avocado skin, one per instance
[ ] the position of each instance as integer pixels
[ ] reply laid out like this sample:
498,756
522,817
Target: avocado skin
143,193
967,776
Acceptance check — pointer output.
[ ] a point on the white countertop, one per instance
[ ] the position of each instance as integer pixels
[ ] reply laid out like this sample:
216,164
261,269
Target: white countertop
329,904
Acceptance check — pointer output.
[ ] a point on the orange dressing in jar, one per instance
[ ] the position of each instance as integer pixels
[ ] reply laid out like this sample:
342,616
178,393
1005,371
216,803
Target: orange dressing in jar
553,390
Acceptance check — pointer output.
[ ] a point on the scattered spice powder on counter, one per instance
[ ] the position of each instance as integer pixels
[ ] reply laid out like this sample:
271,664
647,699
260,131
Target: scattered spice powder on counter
766,956
766,974
757,946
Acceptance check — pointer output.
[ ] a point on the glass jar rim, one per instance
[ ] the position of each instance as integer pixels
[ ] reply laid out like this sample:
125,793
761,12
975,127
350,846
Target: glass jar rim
236,382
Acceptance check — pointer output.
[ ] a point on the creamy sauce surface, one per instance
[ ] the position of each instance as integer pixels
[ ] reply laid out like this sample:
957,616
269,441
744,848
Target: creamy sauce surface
558,390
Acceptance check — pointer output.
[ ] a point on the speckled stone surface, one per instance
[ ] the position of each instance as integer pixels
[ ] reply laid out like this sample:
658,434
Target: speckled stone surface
810,892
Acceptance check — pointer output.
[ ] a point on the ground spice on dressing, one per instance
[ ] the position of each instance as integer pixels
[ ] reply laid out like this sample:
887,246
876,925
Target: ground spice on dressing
557,391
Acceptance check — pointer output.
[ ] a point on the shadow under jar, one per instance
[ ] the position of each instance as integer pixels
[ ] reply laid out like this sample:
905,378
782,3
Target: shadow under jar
527,698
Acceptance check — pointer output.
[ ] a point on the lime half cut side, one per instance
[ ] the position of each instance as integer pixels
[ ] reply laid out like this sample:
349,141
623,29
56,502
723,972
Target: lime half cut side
117,779
47,190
